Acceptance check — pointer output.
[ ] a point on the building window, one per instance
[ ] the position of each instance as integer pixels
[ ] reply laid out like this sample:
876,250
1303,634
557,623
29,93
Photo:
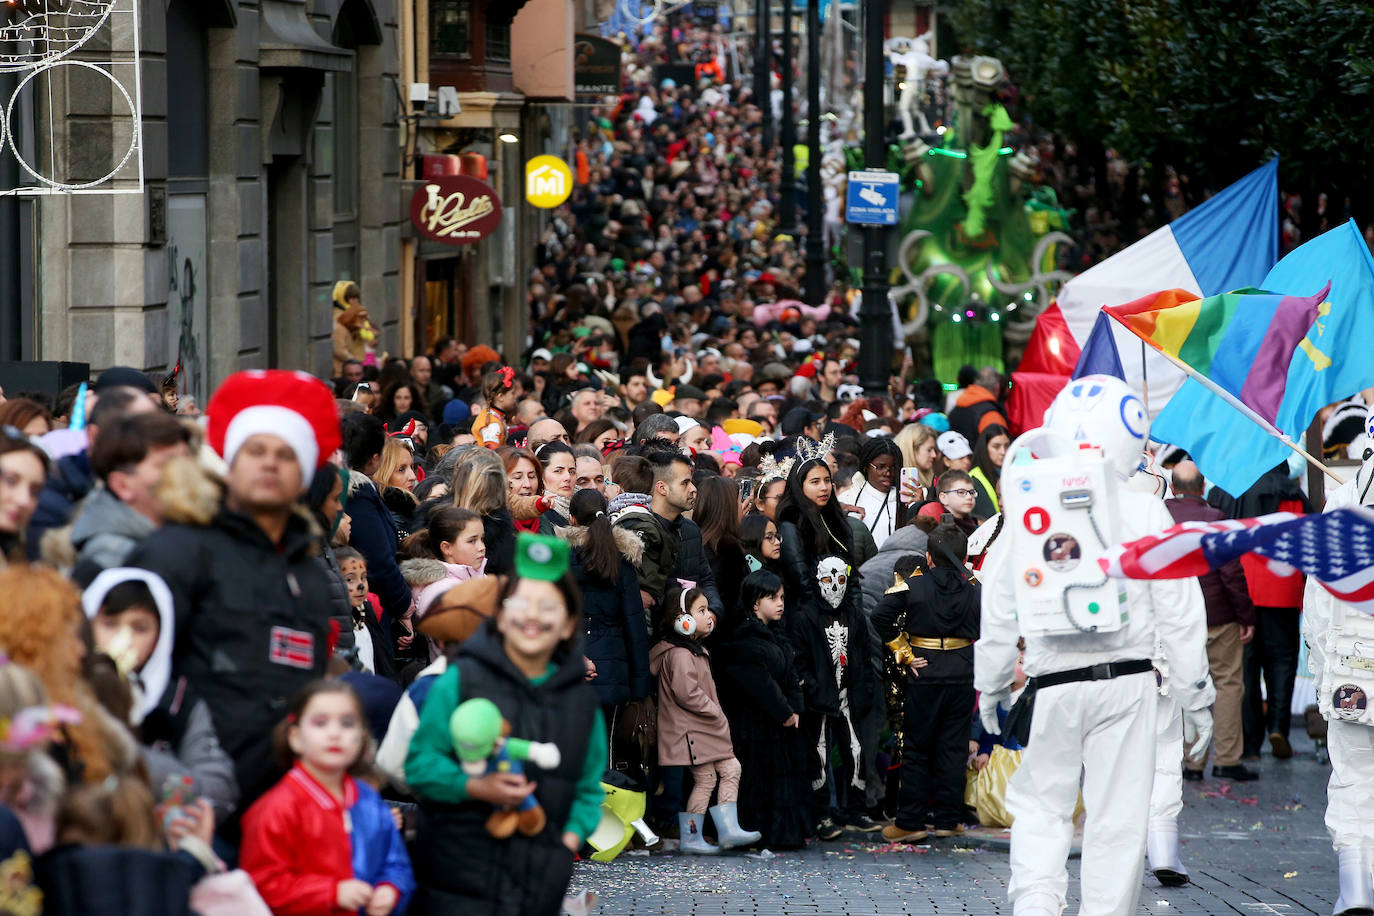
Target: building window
450,27
345,142
498,41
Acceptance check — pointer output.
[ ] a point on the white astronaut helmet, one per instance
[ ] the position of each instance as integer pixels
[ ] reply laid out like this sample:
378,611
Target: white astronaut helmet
1102,410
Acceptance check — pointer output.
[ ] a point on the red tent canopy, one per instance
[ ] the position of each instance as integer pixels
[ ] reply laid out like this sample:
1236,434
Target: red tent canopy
1046,367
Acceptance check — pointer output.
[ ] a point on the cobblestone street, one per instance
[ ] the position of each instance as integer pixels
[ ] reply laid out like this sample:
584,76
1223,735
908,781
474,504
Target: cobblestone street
1256,847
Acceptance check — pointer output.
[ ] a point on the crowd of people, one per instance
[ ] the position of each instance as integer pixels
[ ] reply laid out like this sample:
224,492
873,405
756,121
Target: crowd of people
247,653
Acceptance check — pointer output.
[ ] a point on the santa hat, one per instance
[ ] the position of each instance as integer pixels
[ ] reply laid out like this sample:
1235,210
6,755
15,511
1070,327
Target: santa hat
294,407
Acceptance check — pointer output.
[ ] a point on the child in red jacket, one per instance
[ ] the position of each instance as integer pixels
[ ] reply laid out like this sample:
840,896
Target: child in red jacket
321,843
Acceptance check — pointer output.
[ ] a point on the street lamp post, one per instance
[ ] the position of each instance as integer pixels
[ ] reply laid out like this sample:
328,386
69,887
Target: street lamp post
875,320
763,63
787,197
815,218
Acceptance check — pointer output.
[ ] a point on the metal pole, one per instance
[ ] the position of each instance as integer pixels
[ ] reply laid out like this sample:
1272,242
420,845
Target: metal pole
11,257
875,319
763,64
815,217
787,196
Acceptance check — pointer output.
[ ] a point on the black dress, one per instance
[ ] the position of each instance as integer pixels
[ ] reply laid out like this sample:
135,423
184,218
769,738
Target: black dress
757,682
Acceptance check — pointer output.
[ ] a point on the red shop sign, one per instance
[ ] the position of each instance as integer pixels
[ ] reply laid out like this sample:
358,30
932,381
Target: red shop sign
455,209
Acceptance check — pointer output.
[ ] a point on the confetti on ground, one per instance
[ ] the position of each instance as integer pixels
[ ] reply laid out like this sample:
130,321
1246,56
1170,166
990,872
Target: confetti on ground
1290,874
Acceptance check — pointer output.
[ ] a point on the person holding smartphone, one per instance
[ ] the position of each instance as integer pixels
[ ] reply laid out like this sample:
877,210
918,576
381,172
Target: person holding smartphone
875,489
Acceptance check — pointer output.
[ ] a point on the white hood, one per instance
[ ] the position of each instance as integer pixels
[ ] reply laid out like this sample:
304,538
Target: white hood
157,671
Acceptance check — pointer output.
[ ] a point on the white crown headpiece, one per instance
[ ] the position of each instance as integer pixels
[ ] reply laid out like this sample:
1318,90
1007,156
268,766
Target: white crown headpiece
772,469
808,452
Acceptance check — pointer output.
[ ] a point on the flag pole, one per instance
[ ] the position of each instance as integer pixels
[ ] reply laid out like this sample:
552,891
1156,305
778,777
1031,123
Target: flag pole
1144,378
1237,403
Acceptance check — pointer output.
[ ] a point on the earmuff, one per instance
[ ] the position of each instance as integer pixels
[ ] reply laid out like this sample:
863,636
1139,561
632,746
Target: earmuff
685,624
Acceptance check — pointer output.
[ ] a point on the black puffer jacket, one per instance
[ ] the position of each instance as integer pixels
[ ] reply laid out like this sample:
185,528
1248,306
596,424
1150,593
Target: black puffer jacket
692,563
373,534
462,871
615,636
116,881
252,625
672,550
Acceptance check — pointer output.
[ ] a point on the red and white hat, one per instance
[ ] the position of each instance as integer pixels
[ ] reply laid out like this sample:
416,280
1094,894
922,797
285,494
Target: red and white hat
295,407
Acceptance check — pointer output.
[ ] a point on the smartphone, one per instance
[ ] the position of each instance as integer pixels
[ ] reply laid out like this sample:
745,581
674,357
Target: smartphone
910,478
746,490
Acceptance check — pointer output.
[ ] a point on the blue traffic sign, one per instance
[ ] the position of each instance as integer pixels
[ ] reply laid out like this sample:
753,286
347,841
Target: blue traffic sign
872,198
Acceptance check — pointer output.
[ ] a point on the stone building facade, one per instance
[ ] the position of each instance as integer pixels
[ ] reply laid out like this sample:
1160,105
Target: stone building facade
273,159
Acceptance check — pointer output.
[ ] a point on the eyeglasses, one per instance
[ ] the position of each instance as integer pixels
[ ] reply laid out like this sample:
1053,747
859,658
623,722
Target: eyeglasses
961,492
771,537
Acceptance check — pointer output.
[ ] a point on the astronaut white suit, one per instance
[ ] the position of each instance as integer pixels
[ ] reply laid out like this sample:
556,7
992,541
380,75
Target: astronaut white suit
1340,641
1105,728
1175,729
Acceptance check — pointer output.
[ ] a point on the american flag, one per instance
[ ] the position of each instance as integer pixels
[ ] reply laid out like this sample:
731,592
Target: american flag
1336,548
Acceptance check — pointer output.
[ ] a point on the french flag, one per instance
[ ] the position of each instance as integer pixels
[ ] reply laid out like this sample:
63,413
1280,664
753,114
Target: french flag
1336,548
1228,242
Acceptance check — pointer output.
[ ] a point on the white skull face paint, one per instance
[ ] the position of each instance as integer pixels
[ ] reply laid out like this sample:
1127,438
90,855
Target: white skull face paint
832,574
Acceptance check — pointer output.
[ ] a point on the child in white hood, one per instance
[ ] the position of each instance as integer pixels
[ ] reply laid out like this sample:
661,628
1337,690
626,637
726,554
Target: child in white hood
132,620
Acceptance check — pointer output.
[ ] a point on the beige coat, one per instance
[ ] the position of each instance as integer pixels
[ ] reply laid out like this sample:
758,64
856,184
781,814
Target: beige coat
692,728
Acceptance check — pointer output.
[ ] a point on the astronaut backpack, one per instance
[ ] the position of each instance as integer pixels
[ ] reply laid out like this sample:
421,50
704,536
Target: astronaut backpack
1060,509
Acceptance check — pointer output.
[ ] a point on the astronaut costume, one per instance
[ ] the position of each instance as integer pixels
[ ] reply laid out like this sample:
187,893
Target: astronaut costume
1096,698
914,55
1340,642
1174,729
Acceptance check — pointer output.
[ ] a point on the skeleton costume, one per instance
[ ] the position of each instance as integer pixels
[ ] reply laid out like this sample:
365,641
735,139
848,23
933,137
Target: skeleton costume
833,641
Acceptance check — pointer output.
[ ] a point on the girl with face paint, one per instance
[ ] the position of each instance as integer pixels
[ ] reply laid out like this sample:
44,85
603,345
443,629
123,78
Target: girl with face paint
824,624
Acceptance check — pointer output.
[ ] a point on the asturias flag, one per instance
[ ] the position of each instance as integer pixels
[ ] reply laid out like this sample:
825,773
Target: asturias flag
1330,363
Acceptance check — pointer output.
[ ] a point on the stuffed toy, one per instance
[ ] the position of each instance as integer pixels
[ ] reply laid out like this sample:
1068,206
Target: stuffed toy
481,738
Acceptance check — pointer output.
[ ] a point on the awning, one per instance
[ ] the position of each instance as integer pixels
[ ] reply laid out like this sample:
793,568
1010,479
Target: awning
290,43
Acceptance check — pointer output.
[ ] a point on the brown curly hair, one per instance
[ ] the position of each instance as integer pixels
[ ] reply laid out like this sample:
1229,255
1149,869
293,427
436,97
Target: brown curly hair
41,629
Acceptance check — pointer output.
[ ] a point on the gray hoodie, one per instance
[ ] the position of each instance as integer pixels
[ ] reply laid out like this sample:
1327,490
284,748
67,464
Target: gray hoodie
877,572
105,533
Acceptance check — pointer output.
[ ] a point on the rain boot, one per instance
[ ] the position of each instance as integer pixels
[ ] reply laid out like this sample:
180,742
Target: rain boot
1037,903
1357,895
1161,845
728,831
646,833
691,841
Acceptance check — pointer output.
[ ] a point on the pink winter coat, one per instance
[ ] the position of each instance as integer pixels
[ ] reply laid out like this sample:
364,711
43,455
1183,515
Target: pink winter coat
692,728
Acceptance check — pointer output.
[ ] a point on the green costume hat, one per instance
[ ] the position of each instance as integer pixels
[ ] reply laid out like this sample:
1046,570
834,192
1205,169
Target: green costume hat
538,556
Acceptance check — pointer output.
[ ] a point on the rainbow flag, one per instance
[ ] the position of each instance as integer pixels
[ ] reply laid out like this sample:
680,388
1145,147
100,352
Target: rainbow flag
1243,340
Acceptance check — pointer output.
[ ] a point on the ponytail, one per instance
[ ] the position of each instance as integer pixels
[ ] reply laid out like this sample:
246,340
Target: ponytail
600,555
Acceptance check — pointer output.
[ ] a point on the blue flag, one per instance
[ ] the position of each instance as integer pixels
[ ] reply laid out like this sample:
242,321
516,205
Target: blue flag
1327,366
1099,356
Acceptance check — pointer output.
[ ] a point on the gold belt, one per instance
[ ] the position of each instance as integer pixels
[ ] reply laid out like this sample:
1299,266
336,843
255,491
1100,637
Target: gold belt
939,642
901,646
